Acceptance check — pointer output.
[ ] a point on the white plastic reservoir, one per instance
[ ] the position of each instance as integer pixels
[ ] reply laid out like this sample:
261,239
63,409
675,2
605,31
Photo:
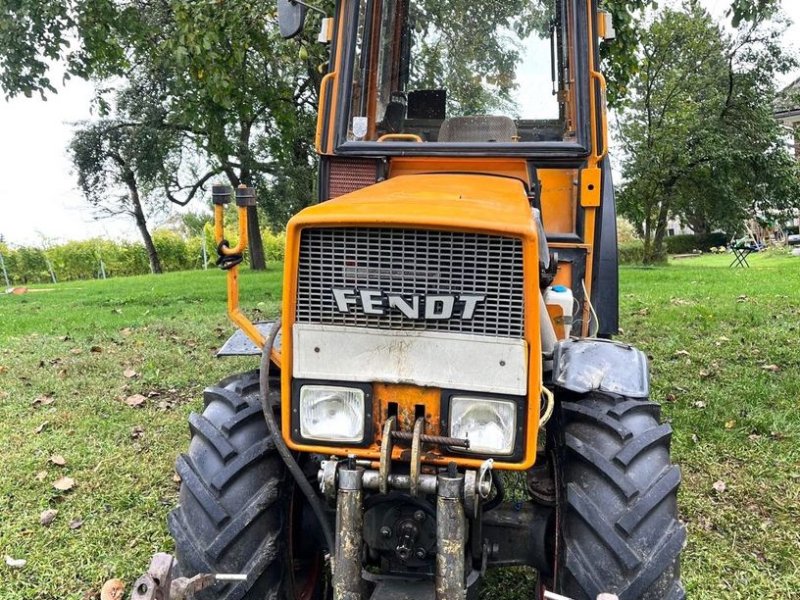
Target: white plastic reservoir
561,296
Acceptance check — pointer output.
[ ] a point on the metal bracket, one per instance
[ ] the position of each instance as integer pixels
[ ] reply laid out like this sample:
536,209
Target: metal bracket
416,456
386,455
157,583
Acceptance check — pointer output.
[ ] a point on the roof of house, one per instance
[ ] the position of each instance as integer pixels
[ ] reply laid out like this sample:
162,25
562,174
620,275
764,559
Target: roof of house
787,103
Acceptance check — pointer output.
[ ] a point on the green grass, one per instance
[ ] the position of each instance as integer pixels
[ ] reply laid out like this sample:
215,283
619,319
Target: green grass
709,331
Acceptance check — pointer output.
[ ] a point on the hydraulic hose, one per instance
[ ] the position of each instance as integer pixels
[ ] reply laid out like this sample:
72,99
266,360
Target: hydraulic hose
499,493
283,450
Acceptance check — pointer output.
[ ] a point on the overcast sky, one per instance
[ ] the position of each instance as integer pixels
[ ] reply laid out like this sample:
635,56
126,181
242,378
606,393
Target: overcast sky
39,202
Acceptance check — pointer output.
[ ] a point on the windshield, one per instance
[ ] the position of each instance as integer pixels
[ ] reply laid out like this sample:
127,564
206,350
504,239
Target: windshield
461,71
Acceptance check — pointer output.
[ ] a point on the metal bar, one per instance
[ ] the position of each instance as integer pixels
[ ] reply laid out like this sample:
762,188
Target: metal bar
407,436
347,583
451,539
396,481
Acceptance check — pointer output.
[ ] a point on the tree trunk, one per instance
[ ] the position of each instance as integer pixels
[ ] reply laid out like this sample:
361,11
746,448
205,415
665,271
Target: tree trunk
657,252
255,246
141,223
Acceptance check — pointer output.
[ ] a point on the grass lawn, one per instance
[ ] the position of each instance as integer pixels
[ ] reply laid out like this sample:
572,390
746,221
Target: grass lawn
69,358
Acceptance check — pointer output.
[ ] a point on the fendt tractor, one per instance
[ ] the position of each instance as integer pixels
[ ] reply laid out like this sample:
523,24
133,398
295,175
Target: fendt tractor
440,396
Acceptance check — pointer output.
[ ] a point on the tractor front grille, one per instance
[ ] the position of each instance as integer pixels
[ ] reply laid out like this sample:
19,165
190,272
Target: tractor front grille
412,262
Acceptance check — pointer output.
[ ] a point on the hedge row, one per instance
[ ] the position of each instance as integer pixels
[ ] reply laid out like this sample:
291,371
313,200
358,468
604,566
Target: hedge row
686,244
81,260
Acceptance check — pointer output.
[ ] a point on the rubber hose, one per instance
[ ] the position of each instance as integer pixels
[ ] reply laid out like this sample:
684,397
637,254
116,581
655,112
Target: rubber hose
280,445
499,493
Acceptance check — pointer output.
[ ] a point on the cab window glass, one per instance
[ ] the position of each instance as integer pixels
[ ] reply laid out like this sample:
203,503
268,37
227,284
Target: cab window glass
456,71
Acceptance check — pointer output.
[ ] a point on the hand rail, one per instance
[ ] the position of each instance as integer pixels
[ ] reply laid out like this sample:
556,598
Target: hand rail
322,114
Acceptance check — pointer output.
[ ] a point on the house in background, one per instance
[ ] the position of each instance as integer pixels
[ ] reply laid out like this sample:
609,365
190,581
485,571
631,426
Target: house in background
787,112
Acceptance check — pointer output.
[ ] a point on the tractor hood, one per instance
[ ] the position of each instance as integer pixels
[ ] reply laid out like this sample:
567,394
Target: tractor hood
462,202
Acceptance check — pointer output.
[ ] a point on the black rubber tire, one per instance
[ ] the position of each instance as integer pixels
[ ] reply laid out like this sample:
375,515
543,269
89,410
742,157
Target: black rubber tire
235,497
619,524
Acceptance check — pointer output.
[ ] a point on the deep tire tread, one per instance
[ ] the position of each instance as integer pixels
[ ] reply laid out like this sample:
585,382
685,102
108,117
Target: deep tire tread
234,400
237,465
204,496
580,412
621,533
234,498
199,425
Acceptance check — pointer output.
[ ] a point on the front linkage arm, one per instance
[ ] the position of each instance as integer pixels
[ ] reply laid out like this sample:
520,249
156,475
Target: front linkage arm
158,584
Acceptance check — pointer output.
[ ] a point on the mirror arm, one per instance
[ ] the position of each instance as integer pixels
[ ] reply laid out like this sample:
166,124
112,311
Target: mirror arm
310,7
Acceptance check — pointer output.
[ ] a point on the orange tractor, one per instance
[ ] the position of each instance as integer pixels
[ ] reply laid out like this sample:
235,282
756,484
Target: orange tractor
440,396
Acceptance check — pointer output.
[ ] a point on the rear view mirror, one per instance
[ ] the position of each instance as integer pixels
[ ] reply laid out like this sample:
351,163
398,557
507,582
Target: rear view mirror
291,17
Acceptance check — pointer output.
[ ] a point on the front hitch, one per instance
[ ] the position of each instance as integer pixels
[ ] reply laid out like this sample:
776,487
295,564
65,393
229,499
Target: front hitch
158,582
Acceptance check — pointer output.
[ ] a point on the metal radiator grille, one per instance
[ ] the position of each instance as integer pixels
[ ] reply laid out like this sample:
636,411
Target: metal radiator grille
351,174
412,262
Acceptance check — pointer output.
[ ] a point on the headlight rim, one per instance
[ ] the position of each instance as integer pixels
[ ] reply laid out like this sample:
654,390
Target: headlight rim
369,429
520,433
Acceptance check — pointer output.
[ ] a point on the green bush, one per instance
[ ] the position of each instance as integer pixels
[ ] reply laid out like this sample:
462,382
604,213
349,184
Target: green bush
81,259
631,252
686,244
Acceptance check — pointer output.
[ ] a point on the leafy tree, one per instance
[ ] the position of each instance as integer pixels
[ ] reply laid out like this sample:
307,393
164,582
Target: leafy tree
699,136
118,166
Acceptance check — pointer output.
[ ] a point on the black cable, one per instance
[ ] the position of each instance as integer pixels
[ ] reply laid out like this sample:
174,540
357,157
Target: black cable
280,445
499,493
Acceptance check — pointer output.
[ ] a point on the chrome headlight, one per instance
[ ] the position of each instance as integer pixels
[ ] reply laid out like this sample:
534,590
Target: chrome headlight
331,413
489,424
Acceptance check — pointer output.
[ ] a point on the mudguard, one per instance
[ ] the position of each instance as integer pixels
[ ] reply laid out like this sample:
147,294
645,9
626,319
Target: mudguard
241,345
601,365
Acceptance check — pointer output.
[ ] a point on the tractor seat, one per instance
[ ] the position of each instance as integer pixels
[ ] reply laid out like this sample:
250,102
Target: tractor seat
479,128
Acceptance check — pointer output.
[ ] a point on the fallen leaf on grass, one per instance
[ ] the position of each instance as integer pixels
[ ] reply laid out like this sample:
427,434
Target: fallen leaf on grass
48,516
76,524
64,484
719,486
129,373
771,368
96,349
41,476
113,589
41,427
43,401
15,563
730,424
76,351
58,460
3,369
135,401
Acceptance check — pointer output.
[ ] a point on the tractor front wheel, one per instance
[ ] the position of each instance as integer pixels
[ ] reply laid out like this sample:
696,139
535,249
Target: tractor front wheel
618,517
239,512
